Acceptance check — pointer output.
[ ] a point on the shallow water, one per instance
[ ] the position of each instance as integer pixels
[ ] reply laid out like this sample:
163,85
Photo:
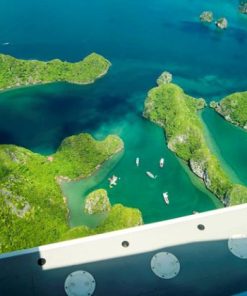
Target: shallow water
141,39
135,189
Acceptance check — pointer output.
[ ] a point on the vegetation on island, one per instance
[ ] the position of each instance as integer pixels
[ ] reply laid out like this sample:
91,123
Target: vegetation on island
16,72
97,202
32,208
233,108
243,6
213,104
119,217
206,17
222,23
78,156
165,77
168,106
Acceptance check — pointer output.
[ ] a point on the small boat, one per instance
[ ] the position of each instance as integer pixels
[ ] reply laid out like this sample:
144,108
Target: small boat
113,181
137,161
166,199
152,176
162,162
5,43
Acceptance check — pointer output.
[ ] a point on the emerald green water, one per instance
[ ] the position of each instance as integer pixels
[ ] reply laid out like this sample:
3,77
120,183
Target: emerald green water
231,143
135,189
76,192
213,140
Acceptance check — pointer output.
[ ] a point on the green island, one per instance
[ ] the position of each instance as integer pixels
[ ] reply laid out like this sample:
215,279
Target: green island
168,106
206,17
119,217
243,6
97,202
33,210
233,108
16,72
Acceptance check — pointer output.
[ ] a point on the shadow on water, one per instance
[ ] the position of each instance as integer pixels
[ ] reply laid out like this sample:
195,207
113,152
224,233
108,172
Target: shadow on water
210,31
51,117
6,137
190,27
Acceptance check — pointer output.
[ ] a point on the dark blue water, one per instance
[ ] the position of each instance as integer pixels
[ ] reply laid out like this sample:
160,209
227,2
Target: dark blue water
141,39
160,34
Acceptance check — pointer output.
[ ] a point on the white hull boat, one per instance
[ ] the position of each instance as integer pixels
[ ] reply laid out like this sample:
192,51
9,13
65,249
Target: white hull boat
166,199
162,162
137,161
113,181
152,176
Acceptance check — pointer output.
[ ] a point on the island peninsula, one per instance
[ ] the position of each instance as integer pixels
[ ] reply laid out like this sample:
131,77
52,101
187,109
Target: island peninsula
16,72
33,210
168,106
233,108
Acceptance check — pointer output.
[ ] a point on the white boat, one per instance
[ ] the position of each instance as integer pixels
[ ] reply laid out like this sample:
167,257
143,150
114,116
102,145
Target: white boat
151,175
137,161
166,199
162,162
5,43
113,181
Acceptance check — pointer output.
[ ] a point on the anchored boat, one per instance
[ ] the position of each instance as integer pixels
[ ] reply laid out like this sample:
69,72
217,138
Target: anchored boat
162,162
166,199
113,181
137,161
152,176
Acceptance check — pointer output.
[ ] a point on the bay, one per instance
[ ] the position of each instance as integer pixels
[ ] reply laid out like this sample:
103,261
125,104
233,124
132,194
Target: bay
141,39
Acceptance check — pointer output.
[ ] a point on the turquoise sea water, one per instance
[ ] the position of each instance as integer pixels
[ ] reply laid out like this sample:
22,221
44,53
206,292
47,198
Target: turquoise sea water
141,39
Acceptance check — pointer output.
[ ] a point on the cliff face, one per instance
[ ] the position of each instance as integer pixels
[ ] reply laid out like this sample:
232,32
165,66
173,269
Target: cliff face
198,167
168,106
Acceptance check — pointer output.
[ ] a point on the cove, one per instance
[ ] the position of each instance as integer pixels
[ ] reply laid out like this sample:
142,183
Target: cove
46,114
135,189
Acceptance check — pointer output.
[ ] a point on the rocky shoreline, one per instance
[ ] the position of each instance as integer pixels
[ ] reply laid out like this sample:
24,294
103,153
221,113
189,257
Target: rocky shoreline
10,88
168,106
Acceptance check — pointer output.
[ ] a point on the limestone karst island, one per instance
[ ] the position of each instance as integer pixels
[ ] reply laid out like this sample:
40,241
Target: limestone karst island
233,108
17,72
176,112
